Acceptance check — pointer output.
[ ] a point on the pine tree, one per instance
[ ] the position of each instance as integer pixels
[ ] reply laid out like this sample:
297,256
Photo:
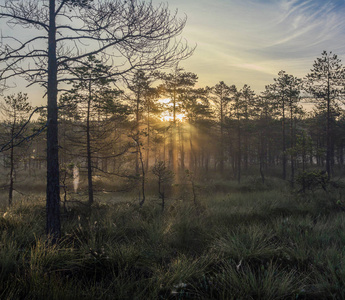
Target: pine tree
325,83
15,110
221,95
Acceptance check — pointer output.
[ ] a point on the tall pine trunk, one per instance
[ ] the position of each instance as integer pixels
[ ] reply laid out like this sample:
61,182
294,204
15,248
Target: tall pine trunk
88,148
10,190
292,151
328,129
239,156
221,164
284,142
53,226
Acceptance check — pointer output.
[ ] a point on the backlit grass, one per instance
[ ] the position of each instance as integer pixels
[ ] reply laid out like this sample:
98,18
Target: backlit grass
265,244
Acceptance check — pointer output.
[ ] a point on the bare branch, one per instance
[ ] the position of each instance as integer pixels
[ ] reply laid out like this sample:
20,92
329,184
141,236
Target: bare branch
8,145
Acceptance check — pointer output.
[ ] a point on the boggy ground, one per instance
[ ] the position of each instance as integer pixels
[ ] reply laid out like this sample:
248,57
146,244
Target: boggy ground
245,243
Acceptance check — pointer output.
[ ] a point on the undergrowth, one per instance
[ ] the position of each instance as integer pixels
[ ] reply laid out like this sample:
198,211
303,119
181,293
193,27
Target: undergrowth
267,244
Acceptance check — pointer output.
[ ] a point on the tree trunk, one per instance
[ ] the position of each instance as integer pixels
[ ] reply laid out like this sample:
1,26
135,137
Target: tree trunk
143,178
10,190
292,152
239,152
192,162
88,148
174,149
221,163
328,151
284,142
53,226
262,159
148,140
181,145
246,150
137,133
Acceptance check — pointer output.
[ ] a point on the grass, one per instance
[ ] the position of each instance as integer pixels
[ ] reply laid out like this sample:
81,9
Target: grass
258,244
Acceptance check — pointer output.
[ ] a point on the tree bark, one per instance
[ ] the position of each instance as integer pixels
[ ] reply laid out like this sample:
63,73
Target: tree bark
88,148
328,150
284,142
10,191
239,157
221,164
53,226
292,158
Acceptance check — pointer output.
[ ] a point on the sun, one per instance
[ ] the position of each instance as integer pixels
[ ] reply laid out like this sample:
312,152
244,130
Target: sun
181,117
167,115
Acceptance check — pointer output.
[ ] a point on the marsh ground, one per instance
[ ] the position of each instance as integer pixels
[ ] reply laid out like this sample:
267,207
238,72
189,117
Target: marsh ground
248,241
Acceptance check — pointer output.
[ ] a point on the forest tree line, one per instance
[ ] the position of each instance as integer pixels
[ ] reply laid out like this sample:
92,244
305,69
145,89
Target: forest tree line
221,131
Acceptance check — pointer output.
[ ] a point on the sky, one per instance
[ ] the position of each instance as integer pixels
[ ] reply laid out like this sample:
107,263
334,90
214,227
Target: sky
250,41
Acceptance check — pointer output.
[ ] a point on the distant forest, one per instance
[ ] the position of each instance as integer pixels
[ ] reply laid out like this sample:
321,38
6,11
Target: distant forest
163,119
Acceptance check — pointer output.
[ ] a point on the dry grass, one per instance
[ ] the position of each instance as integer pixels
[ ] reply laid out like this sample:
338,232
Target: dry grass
265,244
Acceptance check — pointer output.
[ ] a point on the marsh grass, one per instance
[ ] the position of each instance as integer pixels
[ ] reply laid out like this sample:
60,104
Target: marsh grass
259,244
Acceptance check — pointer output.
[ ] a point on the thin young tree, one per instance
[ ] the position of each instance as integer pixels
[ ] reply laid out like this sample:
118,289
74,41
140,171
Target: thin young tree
94,96
62,33
142,102
241,109
152,114
198,118
263,111
174,86
140,86
267,130
221,95
164,178
15,110
283,93
293,98
325,83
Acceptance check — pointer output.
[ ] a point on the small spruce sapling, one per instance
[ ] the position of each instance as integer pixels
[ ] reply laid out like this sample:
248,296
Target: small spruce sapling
164,178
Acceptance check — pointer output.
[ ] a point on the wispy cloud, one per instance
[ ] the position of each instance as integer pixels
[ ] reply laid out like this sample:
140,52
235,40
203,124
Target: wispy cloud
262,36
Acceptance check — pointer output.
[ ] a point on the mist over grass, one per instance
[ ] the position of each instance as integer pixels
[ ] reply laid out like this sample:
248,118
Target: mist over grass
237,243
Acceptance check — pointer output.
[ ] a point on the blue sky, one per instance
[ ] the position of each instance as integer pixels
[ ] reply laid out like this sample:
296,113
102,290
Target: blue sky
247,41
